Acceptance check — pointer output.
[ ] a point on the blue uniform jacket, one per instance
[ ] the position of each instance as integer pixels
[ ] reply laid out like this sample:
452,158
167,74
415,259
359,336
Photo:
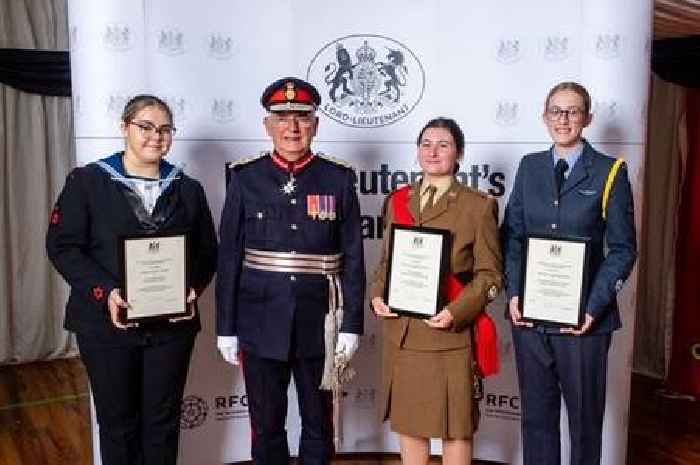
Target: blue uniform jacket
274,313
91,213
533,207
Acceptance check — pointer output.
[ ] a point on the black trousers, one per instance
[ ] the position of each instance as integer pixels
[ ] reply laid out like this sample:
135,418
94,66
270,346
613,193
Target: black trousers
138,394
549,366
267,382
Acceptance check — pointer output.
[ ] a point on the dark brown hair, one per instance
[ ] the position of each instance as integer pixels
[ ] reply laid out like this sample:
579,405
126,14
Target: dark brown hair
449,124
139,102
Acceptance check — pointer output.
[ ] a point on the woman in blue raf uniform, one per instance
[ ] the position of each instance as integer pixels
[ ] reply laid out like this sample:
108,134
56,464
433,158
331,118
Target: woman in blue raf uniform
137,373
560,191
291,278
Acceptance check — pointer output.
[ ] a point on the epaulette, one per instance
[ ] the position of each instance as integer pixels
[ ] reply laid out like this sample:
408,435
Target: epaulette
244,161
478,192
336,161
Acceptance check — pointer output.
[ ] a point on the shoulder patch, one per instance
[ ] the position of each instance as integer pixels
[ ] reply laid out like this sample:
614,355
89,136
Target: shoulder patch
336,161
244,161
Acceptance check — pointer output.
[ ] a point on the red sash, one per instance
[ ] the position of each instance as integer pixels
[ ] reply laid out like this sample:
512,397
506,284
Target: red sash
486,344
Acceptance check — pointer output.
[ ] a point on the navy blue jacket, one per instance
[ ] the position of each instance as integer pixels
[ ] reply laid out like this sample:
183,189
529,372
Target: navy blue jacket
274,313
533,208
91,213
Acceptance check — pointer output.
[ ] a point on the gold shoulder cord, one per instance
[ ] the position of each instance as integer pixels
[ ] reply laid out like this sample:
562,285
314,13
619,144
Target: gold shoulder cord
609,184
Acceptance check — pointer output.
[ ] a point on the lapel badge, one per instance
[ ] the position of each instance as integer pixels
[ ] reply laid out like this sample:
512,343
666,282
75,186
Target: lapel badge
312,206
55,216
493,292
98,293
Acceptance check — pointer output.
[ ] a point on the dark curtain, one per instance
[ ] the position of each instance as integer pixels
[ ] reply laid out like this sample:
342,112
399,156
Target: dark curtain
37,151
43,72
676,60
684,371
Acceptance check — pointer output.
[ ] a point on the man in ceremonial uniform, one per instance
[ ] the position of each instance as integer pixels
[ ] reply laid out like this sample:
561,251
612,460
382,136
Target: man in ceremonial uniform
291,276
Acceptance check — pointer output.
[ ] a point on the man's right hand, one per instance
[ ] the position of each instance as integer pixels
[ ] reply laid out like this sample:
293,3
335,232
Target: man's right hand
515,315
228,348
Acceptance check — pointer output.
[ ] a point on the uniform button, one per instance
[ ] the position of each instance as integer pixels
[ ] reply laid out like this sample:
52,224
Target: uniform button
260,215
293,201
292,278
554,226
556,203
294,227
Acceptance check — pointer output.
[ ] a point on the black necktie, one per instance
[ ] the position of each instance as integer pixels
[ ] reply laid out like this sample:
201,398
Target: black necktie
559,170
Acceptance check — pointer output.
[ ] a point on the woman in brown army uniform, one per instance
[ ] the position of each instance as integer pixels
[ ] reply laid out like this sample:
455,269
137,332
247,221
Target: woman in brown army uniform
428,373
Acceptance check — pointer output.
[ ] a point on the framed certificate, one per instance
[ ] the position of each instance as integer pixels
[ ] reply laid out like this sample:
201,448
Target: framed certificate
154,268
554,279
417,262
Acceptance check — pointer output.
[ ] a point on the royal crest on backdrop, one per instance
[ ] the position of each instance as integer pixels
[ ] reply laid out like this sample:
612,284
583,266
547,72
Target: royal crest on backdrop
556,48
117,37
367,80
171,42
223,110
608,46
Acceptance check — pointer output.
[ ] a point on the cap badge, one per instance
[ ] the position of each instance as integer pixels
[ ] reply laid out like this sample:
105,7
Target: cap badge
290,93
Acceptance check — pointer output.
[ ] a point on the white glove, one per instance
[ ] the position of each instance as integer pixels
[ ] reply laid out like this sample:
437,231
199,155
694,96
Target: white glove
347,344
228,348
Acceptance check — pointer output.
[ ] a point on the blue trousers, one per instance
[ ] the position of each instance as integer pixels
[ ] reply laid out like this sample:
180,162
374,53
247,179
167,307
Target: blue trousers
266,382
138,396
551,366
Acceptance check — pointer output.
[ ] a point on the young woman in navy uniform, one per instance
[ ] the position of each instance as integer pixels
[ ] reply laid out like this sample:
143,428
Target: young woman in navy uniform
137,374
560,191
291,260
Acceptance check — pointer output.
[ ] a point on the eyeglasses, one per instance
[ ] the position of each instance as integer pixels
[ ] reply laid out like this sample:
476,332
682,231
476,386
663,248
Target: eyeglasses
286,121
574,115
148,129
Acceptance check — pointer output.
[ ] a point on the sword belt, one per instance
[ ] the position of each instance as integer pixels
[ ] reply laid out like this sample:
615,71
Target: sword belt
329,266
291,262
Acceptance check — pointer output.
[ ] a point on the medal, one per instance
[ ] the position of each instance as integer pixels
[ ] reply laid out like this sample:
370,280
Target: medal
323,210
331,208
312,206
290,186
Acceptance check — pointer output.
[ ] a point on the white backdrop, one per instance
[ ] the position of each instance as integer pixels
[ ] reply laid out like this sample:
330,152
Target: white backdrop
486,64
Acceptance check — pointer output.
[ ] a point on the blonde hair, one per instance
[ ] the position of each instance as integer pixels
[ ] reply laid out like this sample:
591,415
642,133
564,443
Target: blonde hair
574,87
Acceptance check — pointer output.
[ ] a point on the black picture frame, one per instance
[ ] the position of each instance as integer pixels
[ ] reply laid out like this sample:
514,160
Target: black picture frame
583,277
437,295
167,314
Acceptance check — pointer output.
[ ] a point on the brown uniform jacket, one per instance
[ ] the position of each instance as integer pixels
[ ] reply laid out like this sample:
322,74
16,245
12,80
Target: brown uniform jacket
472,217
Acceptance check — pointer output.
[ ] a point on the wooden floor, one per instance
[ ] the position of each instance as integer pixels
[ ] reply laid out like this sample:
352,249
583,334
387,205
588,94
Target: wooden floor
45,420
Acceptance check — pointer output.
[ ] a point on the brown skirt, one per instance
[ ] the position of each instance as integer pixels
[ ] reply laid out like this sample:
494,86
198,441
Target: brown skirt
430,393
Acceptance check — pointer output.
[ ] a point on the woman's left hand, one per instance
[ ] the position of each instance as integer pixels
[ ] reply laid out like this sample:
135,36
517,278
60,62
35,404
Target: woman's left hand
191,298
583,329
442,320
